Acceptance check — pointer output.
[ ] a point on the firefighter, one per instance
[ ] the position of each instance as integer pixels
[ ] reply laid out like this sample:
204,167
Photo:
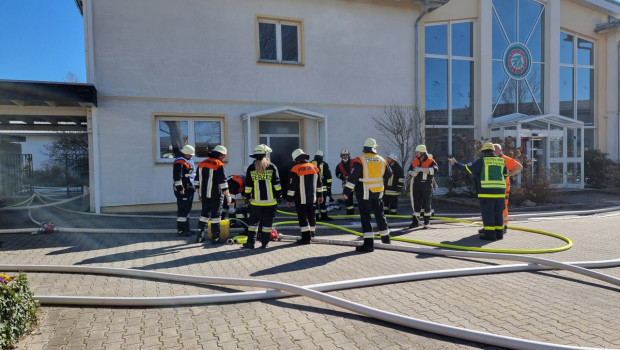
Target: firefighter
490,175
370,171
212,188
422,171
235,186
342,172
304,189
326,179
514,167
393,186
262,192
183,174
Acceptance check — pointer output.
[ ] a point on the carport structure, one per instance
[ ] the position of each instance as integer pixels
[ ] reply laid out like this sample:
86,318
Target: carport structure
28,108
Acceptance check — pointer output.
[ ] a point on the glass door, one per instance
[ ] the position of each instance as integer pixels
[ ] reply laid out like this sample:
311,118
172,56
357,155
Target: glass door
283,138
535,149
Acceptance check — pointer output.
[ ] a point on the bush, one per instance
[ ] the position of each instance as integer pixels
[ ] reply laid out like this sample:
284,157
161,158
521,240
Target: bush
599,169
461,184
17,309
537,190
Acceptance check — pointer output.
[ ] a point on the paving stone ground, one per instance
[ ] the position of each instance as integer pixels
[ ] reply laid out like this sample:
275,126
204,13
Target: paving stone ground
552,306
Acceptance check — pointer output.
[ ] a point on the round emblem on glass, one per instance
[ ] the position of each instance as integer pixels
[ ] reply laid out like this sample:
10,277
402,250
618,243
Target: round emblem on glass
517,61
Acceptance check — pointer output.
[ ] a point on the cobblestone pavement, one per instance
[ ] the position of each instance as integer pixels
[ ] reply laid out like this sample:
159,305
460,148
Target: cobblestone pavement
548,306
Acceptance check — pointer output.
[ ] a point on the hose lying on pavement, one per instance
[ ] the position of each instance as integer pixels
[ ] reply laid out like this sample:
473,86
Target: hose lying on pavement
314,291
280,289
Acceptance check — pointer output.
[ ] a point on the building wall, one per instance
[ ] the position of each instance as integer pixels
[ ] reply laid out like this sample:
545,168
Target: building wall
158,56
150,57
35,145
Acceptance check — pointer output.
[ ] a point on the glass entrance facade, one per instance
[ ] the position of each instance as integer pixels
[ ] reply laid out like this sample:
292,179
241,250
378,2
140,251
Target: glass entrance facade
525,75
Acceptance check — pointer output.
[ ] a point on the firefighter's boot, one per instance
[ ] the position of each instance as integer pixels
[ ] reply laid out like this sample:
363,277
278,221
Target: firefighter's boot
350,211
488,235
249,244
499,234
385,239
265,237
415,222
200,236
427,221
180,227
318,216
215,233
368,246
324,217
186,231
305,238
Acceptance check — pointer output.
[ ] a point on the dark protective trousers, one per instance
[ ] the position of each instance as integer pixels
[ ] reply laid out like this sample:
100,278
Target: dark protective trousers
350,206
422,201
261,216
390,203
492,211
305,215
184,203
368,207
211,208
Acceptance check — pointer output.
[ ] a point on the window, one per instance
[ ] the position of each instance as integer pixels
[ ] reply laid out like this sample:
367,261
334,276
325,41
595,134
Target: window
577,82
518,54
173,133
448,87
279,41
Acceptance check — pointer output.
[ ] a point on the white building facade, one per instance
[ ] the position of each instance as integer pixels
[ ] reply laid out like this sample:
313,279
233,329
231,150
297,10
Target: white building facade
314,74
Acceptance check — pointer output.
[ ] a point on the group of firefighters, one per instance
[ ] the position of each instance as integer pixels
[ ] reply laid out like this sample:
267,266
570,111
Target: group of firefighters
375,182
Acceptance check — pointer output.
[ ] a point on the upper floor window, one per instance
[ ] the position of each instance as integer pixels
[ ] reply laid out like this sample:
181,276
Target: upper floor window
449,71
279,41
518,57
577,78
577,82
174,132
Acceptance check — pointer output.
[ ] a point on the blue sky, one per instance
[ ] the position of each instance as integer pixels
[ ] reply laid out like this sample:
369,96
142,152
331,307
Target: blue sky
41,40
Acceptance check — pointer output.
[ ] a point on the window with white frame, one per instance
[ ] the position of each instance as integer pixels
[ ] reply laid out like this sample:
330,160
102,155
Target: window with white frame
279,40
577,82
173,133
449,89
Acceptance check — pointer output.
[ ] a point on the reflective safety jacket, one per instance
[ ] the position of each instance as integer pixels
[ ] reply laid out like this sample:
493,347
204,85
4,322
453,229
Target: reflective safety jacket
211,180
343,169
395,183
424,171
183,173
325,173
264,188
490,175
305,184
370,172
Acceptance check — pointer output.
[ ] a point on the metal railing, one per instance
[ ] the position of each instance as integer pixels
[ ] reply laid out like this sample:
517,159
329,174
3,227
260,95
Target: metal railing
16,175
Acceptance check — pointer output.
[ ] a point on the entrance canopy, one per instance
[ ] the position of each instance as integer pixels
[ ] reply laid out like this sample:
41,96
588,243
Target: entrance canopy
552,143
313,131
